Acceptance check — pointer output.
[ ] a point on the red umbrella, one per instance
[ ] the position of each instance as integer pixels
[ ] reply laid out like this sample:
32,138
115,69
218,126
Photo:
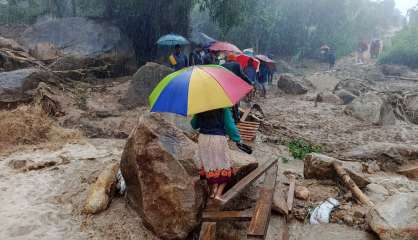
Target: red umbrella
264,58
224,47
243,61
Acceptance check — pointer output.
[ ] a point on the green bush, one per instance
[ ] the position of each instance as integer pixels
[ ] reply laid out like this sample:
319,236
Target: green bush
299,148
404,49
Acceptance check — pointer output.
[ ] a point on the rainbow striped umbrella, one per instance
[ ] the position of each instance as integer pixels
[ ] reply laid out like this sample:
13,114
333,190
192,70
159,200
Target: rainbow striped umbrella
198,89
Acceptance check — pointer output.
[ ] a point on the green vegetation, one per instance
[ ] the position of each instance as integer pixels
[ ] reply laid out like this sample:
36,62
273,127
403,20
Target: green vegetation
299,148
404,49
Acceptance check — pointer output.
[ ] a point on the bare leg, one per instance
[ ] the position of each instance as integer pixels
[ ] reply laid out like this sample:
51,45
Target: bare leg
214,190
220,190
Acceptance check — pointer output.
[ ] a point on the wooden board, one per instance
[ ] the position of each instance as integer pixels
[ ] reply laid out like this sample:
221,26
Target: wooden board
291,194
208,231
237,188
219,216
261,217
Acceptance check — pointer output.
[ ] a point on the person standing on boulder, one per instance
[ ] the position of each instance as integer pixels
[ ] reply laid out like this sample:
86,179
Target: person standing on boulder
214,153
178,60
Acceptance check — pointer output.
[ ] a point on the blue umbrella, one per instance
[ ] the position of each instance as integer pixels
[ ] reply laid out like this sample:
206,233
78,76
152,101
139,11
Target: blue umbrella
172,39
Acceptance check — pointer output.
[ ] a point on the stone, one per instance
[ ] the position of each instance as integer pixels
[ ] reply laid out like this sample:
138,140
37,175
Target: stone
396,218
144,81
82,40
372,108
160,171
290,84
100,193
331,98
354,86
319,166
10,44
394,70
345,96
45,52
20,85
302,193
376,192
389,156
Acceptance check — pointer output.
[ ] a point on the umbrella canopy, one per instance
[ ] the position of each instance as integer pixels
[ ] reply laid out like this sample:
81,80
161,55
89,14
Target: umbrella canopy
172,39
243,61
249,52
198,89
224,47
264,58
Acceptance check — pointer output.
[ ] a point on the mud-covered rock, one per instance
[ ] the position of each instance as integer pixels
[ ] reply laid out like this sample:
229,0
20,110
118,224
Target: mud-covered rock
319,166
45,52
144,81
331,98
396,218
346,96
159,167
389,156
10,43
355,86
372,108
20,85
81,39
290,84
394,70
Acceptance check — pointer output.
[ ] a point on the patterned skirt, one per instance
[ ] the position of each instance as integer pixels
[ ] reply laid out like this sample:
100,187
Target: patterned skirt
215,159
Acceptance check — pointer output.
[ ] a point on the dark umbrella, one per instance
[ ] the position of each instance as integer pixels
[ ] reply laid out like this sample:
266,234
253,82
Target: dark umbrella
172,40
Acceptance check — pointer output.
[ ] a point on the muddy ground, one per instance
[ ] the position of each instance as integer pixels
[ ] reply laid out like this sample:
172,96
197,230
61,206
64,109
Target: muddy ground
43,187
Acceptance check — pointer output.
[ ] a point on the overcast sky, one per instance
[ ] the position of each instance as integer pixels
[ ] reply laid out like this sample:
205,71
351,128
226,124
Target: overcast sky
404,5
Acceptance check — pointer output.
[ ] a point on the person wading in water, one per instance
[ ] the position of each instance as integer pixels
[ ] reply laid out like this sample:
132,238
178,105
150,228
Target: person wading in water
214,153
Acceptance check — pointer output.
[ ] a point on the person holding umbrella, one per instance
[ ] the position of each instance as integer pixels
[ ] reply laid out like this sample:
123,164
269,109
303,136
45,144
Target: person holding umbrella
207,93
178,60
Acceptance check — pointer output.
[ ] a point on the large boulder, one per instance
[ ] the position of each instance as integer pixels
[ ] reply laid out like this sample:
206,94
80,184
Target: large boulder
291,84
319,166
159,167
396,218
10,44
394,70
81,39
372,108
144,81
389,156
355,86
346,96
20,85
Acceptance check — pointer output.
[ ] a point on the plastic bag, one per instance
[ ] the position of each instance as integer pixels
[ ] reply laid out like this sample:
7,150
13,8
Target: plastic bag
322,213
121,185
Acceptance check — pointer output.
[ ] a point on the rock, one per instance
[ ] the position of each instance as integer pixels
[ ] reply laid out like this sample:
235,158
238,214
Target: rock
376,192
82,40
45,52
396,218
302,193
394,70
290,84
345,96
354,86
100,193
328,97
20,85
163,187
144,81
10,43
373,109
389,156
320,167
395,183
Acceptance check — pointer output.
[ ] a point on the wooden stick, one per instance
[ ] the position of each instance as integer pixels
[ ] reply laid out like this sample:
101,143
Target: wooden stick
261,218
227,216
208,231
351,184
235,190
291,194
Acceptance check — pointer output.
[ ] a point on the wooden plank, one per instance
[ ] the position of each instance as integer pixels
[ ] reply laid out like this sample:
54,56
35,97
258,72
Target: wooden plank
227,216
261,217
237,188
291,194
279,203
249,124
208,231
410,172
245,115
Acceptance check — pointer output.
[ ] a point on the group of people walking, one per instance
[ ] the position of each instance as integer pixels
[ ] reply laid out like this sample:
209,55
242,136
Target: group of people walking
214,126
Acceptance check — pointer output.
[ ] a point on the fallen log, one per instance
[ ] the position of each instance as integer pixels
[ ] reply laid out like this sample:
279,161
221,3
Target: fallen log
351,185
208,231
